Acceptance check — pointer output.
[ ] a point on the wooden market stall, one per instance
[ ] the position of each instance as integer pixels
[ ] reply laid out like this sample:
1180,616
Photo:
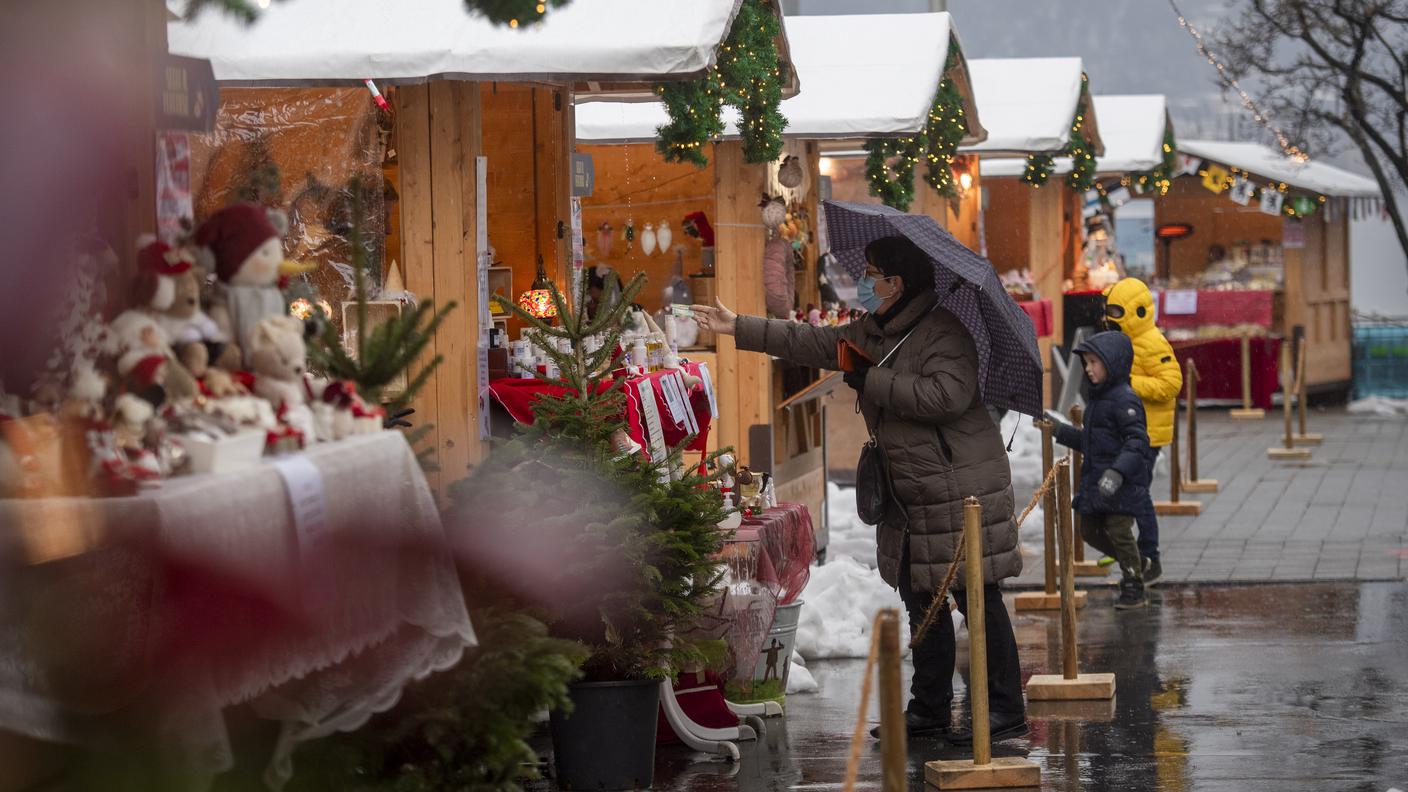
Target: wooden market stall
468,157
882,84
1033,108
1267,254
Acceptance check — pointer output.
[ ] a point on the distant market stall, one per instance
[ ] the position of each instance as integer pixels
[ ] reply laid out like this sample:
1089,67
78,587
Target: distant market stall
1035,110
1256,243
700,233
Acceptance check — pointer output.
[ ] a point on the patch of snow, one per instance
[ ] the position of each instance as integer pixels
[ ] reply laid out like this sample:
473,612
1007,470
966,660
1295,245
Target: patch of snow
848,535
1379,405
842,599
800,680
1025,456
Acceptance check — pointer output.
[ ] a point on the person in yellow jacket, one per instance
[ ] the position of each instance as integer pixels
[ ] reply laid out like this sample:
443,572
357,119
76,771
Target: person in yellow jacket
1157,379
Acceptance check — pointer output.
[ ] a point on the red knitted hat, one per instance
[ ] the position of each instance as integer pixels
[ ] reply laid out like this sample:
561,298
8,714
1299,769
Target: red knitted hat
233,233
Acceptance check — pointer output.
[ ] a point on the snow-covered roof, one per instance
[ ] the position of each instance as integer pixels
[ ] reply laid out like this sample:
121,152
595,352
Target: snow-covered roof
1270,164
1027,104
871,75
328,42
1133,130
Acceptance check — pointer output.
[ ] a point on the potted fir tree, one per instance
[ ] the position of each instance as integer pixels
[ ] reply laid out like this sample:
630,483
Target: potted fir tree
617,549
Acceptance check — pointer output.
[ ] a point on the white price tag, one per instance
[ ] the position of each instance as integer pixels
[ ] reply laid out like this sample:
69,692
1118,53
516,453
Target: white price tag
709,390
654,432
306,497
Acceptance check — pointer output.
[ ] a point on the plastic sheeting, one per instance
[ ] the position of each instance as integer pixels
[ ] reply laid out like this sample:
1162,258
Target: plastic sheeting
305,151
882,82
1026,103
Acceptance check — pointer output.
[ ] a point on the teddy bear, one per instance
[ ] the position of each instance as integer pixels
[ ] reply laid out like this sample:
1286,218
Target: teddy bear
135,336
280,363
168,287
243,245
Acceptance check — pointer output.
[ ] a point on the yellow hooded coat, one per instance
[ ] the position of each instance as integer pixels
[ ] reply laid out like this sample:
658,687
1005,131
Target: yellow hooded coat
1156,375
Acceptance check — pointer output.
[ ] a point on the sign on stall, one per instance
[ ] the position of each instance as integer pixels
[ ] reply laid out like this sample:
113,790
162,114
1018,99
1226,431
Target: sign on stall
1181,302
187,96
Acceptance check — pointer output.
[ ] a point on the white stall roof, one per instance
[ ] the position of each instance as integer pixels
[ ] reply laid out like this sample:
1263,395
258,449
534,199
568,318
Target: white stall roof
1271,164
996,167
870,75
1132,128
329,42
1027,104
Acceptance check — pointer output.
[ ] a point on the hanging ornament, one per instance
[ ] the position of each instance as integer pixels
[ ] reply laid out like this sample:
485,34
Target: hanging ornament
647,240
1188,166
1303,205
663,237
789,174
1242,190
603,240
774,212
1271,201
1215,178
629,234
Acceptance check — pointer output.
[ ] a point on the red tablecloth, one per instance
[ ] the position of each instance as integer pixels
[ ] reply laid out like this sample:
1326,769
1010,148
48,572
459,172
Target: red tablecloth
1219,362
517,396
1040,313
1222,308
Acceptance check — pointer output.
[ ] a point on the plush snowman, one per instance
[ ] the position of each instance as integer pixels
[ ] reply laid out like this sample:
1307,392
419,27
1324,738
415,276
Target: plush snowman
243,243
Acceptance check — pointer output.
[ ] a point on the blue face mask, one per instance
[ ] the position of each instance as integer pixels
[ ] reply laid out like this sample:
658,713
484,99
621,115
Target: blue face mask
865,293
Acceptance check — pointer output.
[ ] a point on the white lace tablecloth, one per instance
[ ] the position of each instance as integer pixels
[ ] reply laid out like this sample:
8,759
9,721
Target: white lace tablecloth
202,594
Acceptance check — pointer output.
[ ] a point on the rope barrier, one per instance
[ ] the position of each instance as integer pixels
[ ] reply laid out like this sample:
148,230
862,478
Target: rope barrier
941,597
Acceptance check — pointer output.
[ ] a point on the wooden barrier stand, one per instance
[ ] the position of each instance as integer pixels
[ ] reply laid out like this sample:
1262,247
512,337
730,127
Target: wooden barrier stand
1304,438
1248,412
1070,684
1083,568
1289,388
1048,599
1175,504
894,750
982,771
1193,483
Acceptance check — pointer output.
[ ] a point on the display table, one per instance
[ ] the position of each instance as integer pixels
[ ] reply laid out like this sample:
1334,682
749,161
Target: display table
208,592
1219,362
1040,313
1221,309
516,396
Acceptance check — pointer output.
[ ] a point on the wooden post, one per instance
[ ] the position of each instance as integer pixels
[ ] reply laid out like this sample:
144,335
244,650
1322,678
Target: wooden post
1175,504
1049,598
1082,567
1304,438
982,771
1193,483
1287,449
1070,684
1248,412
893,748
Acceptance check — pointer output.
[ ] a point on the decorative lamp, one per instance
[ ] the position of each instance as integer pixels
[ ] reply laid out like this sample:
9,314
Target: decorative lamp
537,301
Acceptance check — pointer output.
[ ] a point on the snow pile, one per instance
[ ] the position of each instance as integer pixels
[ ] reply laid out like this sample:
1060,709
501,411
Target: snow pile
848,535
842,599
1379,405
1025,461
799,678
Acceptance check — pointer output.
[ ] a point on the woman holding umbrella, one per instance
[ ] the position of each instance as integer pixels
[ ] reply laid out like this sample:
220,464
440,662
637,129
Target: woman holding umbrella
923,404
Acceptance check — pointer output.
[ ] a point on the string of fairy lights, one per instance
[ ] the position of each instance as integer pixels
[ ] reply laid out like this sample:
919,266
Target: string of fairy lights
1261,116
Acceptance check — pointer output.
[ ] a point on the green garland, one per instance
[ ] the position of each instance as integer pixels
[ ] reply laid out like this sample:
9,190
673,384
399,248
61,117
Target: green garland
889,162
748,77
514,13
1161,176
1078,148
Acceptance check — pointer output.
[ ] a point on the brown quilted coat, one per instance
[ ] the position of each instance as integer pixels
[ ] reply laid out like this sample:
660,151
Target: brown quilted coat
940,441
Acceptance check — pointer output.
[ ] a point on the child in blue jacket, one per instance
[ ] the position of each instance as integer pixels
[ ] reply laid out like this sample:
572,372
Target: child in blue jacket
1114,479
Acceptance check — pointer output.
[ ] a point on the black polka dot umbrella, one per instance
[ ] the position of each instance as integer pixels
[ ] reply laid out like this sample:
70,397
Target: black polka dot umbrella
1009,362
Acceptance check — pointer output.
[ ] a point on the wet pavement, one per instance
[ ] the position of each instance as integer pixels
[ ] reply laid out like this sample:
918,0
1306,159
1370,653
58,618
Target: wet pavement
1297,688
1342,515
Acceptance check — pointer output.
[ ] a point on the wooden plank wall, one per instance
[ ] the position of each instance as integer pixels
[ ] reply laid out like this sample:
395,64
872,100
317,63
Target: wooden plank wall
438,131
744,379
634,183
1319,299
1215,220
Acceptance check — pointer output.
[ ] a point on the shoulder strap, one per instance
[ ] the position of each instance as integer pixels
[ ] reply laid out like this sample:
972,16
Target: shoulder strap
896,347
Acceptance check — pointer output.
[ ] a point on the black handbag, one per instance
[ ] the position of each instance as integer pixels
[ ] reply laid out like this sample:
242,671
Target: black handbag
874,489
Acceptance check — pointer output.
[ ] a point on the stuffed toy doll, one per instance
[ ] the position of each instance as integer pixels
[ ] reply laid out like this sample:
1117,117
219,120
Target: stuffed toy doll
280,361
243,244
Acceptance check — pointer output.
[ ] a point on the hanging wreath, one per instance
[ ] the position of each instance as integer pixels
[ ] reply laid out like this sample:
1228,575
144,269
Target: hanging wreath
1039,167
1082,175
748,77
889,163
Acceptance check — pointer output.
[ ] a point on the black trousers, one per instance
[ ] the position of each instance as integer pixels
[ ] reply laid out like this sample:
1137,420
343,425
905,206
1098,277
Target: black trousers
931,688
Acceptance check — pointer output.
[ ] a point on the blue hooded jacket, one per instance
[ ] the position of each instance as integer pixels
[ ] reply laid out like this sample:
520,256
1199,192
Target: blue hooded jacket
1115,433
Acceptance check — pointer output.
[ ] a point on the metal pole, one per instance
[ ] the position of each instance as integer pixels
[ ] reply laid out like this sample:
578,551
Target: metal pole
977,632
1048,506
894,752
1068,576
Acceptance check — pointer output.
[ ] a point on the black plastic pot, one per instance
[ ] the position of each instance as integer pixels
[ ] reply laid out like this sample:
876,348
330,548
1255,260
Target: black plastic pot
608,742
